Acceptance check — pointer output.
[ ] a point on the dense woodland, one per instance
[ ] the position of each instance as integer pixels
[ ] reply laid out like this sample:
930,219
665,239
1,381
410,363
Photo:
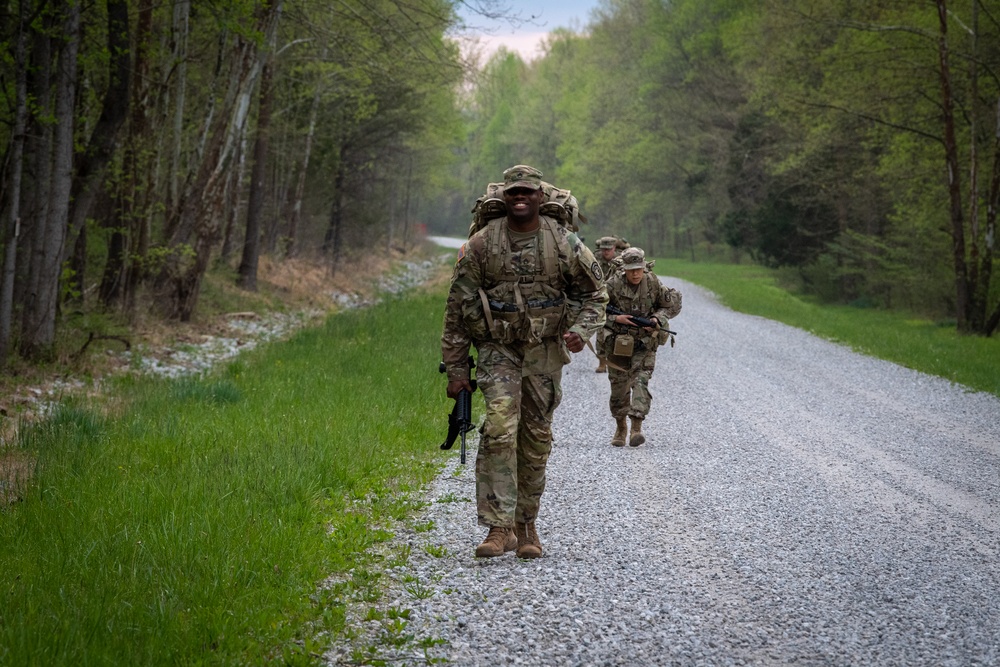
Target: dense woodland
857,144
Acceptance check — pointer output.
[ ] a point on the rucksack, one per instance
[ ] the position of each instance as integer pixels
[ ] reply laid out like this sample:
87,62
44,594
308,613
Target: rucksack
558,204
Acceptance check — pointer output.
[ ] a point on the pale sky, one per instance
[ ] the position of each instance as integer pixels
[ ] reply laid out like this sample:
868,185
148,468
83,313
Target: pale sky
538,18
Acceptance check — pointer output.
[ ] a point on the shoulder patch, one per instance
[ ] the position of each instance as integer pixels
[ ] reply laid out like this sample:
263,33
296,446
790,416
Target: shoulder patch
461,254
595,268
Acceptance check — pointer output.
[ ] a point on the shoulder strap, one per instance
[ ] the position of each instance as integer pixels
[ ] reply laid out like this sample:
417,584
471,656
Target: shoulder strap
550,251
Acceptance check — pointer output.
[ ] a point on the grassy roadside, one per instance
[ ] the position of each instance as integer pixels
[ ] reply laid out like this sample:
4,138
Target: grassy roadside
929,347
190,521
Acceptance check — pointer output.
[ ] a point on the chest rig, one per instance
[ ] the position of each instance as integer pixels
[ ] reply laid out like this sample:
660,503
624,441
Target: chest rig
524,307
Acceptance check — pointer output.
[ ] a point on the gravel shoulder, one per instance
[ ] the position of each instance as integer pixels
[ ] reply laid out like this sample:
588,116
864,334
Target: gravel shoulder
796,503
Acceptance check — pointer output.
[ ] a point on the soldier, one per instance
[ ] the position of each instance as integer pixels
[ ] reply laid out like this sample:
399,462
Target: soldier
631,349
606,254
526,292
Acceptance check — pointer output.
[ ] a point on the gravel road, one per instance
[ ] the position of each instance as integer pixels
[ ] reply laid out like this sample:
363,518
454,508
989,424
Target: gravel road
796,503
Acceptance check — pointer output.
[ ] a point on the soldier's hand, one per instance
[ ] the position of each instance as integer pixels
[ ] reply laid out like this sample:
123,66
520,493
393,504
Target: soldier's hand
456,386
573,341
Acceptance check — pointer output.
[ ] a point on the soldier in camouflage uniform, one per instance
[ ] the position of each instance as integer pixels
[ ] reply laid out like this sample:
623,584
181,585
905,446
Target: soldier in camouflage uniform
526,292
636,290
606,253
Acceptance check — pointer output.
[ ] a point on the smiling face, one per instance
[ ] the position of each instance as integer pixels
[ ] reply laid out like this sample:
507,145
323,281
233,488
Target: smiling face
522,206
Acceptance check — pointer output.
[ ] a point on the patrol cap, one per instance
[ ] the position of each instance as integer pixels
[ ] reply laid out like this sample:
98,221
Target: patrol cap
522,176
605,242
633,258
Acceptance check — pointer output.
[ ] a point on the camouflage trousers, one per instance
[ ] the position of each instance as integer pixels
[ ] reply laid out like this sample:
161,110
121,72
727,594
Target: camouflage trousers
515,439
630,395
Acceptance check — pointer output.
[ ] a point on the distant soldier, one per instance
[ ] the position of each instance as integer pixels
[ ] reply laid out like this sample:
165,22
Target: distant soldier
526,292
605,254
631,349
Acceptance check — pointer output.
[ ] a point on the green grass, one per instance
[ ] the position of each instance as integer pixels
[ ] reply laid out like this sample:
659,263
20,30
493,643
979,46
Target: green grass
191,521
931,347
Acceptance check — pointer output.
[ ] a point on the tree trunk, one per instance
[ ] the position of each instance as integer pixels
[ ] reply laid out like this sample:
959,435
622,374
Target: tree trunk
39,145
962,300
251,242
180,29
90,170
14,184
331,240
40,320
300,188
234,189
138,169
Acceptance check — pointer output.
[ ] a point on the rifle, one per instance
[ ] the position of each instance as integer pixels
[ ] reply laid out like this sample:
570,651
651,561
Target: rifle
460,419
638,321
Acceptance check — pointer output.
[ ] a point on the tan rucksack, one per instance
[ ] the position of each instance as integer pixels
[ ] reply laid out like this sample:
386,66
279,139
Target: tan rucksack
558,204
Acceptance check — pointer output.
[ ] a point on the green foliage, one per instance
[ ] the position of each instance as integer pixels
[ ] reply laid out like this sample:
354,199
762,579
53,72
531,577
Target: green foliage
806,135
197,523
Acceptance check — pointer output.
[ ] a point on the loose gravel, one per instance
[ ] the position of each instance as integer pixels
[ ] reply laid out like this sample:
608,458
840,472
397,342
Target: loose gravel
795,503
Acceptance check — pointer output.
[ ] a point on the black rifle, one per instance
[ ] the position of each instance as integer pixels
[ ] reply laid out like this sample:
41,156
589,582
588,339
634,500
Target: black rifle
638,321
460,419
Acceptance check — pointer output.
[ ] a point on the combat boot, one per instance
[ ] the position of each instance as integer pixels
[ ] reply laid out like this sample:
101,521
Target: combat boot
621,432
602,366
497,541
637,437
528,544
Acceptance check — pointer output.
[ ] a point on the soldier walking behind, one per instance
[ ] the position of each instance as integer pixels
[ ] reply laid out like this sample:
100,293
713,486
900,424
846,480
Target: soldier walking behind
526,292
637,291
606,253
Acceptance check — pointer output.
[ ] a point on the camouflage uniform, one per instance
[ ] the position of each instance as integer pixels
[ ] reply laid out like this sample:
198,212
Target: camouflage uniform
607,267
513,296
630,395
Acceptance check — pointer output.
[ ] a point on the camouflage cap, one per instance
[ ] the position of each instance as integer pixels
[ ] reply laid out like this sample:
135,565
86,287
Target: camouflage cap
633,258
605,242
522,176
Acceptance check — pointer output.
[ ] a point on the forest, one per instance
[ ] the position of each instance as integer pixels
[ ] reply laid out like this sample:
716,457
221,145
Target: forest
853,145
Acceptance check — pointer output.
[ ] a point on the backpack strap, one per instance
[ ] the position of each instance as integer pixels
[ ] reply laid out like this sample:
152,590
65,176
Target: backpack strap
550,251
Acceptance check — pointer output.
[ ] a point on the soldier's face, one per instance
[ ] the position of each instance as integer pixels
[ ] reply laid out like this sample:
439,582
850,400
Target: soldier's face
522,203
608,253
633,276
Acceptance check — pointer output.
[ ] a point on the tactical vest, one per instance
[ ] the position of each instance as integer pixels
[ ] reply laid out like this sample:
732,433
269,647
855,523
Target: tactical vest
518,307
641,303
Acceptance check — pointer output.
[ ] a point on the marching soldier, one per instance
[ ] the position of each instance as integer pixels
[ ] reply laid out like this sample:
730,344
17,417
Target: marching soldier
526,292
630,348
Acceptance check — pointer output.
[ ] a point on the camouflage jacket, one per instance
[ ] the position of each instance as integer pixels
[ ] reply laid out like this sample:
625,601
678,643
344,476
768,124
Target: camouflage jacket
650,298
522,298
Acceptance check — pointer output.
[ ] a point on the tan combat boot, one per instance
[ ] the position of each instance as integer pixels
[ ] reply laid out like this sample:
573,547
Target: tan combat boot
497,542
618,439
637,437
528,544
602,366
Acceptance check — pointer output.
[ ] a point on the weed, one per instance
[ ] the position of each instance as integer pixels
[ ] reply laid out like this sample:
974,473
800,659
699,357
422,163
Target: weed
436,550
